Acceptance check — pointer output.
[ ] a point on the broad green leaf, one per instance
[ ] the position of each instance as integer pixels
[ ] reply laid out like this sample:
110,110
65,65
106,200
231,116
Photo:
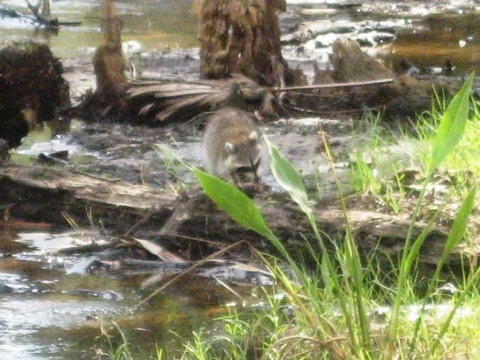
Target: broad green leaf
238,205
452,125
288,177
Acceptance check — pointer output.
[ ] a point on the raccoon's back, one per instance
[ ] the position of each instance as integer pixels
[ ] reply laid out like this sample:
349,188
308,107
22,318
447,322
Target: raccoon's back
231,122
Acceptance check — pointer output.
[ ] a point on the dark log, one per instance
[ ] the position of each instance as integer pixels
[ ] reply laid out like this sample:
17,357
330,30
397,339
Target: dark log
48,193
45,194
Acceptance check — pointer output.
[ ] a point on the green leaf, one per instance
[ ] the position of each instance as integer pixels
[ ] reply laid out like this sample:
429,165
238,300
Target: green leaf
452,125
456,234
287,177
459,227
233,201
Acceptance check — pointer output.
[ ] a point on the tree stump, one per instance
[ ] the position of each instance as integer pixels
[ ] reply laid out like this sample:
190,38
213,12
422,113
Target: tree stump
31,88
108,61
240,36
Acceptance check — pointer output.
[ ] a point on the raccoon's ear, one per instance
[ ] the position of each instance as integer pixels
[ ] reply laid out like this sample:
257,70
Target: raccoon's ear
230,148
253,136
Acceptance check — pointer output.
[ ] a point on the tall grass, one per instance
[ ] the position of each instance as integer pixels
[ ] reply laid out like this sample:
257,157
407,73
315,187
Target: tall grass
343,289
379,156
449,133
117,351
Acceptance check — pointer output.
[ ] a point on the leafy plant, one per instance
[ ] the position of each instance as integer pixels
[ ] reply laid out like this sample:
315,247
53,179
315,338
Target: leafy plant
117,351
450,131
330,315
243,210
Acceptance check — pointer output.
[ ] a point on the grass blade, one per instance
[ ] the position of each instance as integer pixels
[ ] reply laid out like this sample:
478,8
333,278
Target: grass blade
456,234
458,229
449,132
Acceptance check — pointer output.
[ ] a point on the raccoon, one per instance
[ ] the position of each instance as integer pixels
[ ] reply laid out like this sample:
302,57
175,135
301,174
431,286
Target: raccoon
230,146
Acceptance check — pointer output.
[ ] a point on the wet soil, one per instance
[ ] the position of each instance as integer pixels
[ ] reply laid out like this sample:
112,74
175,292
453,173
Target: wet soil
134,153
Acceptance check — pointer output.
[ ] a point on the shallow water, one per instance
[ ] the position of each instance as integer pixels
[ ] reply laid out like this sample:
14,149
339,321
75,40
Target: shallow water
35,298
424,34
48,310
454,36
148,25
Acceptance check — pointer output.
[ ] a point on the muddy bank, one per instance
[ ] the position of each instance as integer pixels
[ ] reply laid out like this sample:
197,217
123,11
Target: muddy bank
133,154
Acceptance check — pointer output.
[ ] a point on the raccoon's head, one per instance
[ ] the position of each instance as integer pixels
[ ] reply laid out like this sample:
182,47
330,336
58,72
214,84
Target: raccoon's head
243,160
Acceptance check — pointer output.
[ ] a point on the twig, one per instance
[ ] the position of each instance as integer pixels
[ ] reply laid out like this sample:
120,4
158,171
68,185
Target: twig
52,160
191,268
45,16
97,177
143,220
217,244
87,249
333,85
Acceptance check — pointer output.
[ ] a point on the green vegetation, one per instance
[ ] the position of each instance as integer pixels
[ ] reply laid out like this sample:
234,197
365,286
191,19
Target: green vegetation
386,164
117,352
342,309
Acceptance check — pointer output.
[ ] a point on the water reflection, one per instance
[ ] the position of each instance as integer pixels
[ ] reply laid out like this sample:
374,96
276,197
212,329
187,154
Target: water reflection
153,24
453,36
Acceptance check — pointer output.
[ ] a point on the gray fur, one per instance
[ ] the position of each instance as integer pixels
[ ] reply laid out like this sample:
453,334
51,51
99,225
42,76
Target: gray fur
230,146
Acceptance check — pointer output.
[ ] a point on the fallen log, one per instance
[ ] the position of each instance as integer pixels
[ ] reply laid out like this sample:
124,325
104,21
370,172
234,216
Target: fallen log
46,193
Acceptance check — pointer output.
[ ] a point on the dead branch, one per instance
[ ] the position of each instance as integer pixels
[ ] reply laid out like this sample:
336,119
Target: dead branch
42,13
333,85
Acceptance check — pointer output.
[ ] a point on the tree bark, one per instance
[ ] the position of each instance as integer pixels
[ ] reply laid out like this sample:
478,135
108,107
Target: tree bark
242,36
108,61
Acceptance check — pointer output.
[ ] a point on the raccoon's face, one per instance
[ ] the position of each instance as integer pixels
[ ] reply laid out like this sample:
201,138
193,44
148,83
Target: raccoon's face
243,160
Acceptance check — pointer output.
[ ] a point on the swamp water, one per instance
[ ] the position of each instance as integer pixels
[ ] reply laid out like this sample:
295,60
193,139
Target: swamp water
49,310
